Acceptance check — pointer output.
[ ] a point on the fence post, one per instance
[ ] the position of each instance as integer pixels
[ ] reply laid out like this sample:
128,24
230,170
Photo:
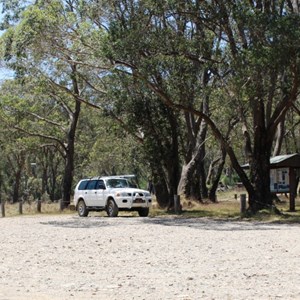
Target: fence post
20,207
177,204
1,200
2,208
243,203
39,205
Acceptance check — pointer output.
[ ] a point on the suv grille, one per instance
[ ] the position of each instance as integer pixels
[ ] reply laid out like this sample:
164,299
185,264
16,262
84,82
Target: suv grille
139,200
138,194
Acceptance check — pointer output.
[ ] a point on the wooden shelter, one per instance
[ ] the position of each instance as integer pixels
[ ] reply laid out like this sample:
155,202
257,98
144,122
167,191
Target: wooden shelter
284,175
288,164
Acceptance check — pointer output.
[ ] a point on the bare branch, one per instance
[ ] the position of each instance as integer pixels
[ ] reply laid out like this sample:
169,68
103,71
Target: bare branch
52,138
46,120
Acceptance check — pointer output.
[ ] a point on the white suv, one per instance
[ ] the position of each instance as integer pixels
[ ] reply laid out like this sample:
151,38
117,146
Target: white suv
111,193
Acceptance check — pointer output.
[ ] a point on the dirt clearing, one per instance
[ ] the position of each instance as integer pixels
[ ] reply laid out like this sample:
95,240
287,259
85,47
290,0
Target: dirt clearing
67,257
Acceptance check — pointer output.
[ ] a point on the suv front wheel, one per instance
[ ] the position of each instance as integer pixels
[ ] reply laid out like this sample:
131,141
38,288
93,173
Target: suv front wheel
82,210
143,211
112,209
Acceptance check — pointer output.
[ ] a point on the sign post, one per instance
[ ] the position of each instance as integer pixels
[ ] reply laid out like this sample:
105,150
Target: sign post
1,200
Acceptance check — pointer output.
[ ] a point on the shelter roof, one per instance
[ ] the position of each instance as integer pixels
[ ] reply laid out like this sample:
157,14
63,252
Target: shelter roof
283,161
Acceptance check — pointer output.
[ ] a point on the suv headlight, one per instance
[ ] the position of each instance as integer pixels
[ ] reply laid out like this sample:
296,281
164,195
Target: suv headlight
123,194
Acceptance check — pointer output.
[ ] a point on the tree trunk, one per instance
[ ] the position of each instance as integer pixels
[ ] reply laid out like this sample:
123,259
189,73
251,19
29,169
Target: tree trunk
173,181
279,138
216,179
16,190
53,188
193,166
44,179
173,162
69,164
2,203
260,177
70,148
161,194
203,187
259,163
194,187
160,187
67,179
165,179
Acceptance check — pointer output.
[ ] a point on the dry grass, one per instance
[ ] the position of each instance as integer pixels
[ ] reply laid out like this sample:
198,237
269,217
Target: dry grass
227,207
31,209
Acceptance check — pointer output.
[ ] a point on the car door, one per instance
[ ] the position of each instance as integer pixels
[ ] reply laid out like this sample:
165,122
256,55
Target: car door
99,193
90,193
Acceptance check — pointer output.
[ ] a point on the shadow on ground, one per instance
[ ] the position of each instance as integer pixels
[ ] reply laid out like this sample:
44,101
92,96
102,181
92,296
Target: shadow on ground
170,221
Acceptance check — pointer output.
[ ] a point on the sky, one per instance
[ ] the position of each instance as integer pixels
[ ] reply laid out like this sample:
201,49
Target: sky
4,72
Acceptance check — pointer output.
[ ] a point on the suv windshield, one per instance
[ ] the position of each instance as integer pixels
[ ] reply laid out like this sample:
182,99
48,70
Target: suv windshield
117,183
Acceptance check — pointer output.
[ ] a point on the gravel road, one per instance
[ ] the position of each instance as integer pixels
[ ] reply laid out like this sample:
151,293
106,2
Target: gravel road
67,257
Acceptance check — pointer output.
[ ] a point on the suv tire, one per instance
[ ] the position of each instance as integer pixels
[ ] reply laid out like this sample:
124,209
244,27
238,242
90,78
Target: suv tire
143,211
112,209
81,209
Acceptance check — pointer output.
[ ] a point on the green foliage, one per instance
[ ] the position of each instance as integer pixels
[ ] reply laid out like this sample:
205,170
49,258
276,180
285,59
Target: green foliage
11,11
103,148
135,60
229,180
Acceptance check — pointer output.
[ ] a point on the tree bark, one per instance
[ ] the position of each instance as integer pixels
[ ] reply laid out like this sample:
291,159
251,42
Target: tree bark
261,196
16,191
195,164
160,186
70,148
173,161
212,196
259,161
279,138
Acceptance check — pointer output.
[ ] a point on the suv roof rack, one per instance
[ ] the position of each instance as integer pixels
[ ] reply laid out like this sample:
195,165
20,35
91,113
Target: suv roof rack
122,176
107,176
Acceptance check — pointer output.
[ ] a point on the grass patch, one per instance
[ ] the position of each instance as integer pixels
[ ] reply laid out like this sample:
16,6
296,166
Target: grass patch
193,209
227,207
12,210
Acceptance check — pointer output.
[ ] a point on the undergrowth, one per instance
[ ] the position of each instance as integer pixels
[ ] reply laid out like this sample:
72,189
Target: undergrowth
226,207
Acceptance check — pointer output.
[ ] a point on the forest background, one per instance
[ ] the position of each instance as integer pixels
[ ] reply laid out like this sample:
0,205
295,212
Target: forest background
181,93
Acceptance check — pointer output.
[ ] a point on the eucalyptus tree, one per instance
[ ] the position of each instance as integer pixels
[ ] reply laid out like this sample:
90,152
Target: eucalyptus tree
11,11
13,154
288,132
262,41
155,129
171,57
191,55
13,159
47,44
105,148
35,126
256,64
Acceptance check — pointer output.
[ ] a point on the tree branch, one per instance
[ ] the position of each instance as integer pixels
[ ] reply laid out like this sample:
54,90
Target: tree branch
46,120
52,138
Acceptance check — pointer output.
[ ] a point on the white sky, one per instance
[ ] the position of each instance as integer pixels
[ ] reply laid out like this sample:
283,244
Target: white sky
4,72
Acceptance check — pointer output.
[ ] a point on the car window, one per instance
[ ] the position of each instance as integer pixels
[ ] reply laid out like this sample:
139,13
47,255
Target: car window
117,183
92,185
100,185
82,185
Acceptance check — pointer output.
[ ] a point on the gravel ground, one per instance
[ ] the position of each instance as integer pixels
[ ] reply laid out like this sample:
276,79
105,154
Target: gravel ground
67,257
